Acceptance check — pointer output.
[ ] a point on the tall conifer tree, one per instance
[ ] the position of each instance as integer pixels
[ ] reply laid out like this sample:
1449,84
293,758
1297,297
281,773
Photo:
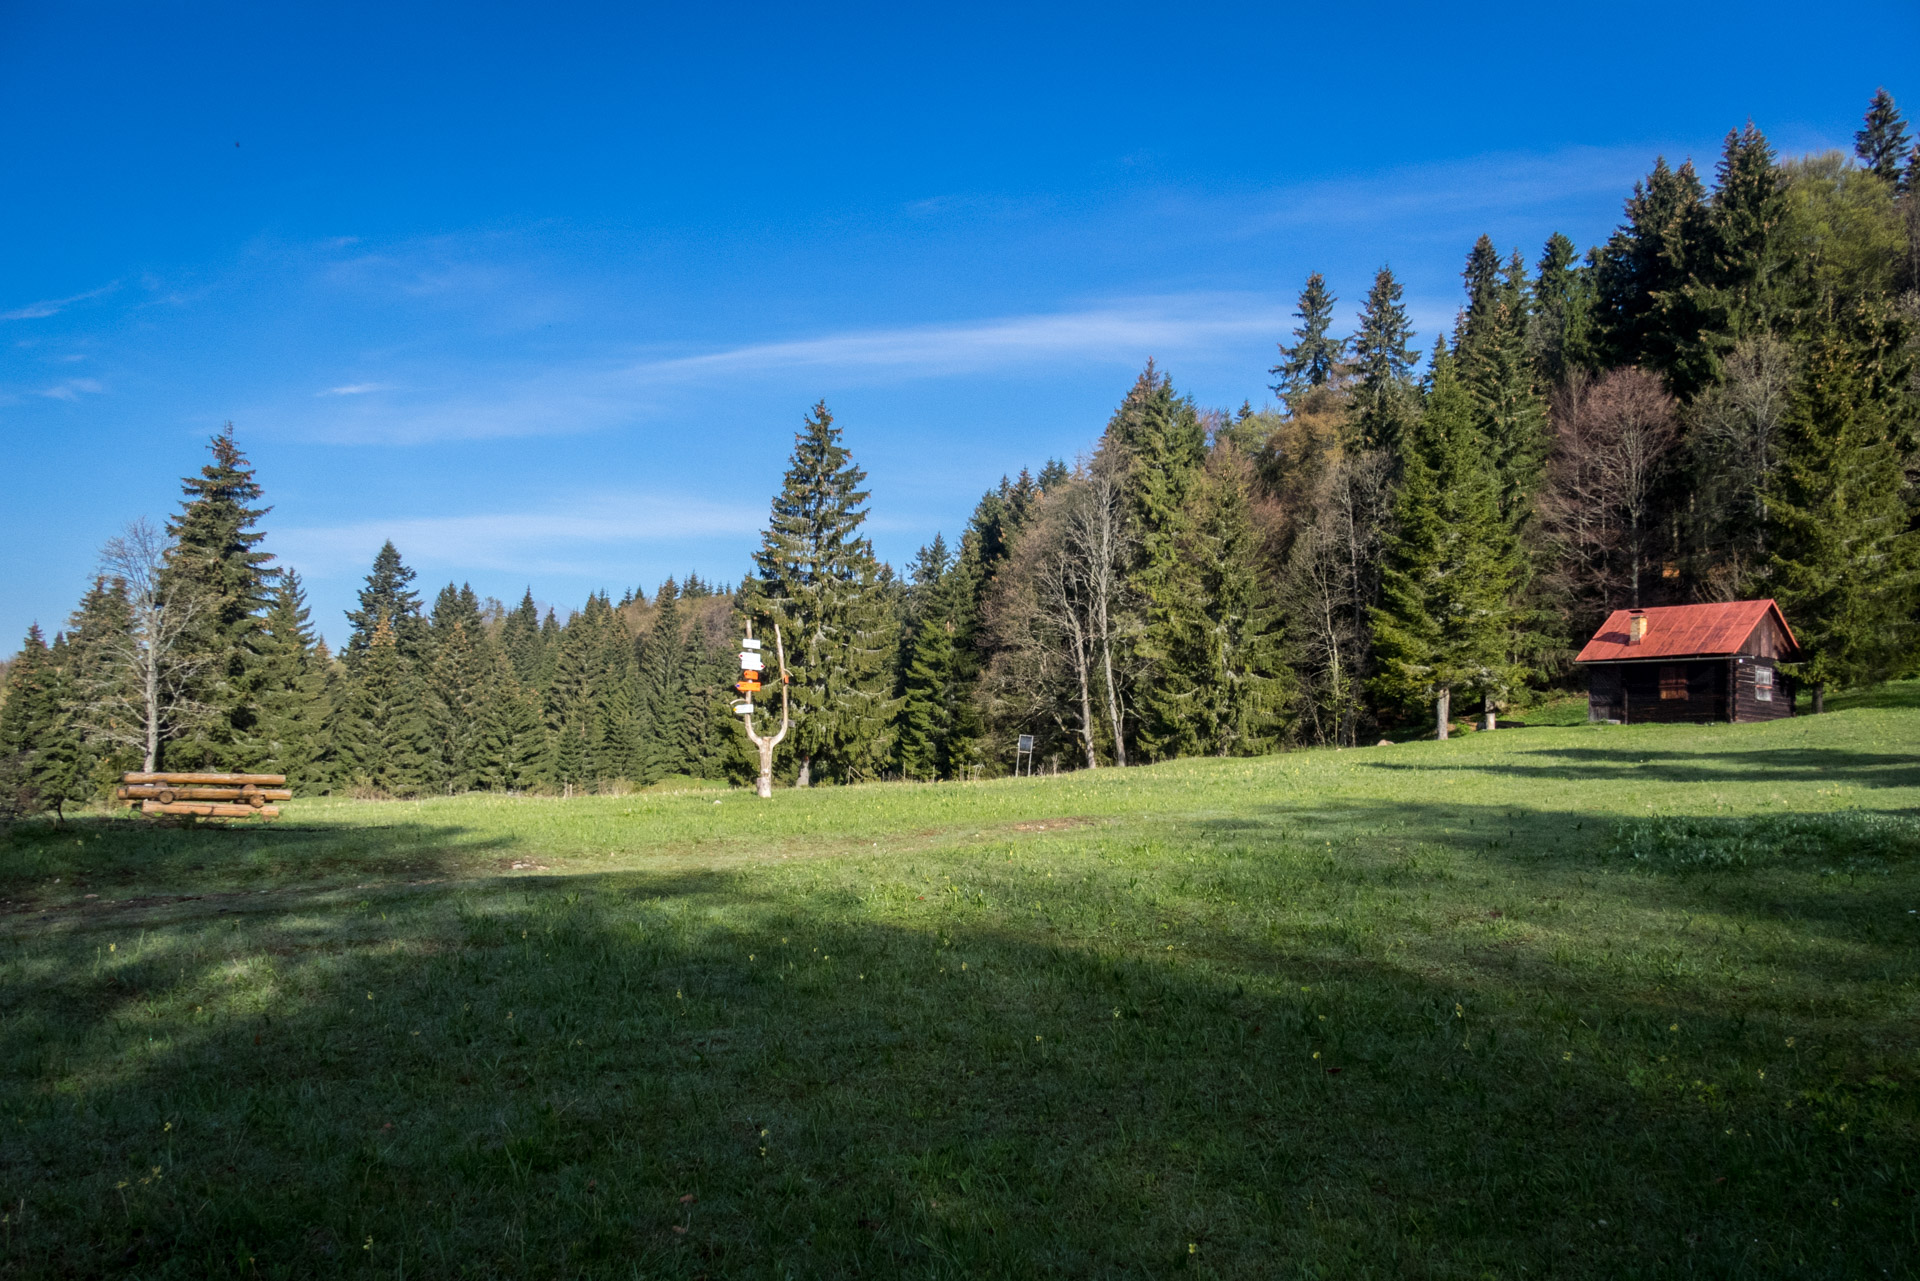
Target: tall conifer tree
929,687
214,556
1645,265
665,663
382,737
1447,614
41,764
1314,357
388,596
821,583
1220,686
96,683
1846,559
1881,143
1563,301
521,639
1385,399
1496,369
292,688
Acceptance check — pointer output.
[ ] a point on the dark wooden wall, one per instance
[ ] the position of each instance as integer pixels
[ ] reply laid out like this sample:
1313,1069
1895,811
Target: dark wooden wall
1747,703
1630,692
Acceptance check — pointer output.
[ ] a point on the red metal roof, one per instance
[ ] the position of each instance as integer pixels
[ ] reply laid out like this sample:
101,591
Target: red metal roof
1683,631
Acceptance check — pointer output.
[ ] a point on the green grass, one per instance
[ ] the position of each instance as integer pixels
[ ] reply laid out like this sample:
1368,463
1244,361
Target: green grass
1586,1001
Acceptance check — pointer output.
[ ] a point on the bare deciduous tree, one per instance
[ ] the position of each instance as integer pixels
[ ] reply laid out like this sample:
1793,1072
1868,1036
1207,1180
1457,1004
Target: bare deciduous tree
1057,616
1331,578
1614,436
1735,429
143,698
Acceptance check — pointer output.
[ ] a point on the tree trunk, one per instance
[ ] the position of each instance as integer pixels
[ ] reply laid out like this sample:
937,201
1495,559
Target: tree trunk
1819,697
1491,721
764,786
1113,705
1442,707
151,678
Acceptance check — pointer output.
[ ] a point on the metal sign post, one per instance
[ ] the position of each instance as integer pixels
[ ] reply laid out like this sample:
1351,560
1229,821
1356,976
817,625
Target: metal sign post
1023,748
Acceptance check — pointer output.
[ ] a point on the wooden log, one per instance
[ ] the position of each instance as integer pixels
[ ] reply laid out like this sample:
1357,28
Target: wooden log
207,809
231,780
181,792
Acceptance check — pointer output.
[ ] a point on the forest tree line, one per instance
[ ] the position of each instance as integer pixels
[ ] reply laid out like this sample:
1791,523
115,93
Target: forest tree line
1722,401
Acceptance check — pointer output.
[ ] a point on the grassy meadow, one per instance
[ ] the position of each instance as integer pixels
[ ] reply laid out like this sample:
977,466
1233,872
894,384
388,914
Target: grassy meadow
1567,1000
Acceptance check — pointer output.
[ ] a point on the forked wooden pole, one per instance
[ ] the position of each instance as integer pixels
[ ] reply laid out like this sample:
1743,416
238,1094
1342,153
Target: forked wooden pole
766,745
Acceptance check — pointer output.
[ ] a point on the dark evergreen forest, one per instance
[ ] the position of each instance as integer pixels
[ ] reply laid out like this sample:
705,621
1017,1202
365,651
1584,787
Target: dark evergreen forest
1720,402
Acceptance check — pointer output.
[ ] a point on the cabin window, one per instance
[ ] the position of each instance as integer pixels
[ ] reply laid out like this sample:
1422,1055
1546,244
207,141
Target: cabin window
1763,684
1673,682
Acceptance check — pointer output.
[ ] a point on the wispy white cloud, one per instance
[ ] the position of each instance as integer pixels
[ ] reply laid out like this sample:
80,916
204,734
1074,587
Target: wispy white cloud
552,540
54,306
73,389
1122,332
589,395
1417,195
354,389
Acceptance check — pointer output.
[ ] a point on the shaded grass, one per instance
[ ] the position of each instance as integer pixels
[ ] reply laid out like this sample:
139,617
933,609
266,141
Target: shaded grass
1402,1011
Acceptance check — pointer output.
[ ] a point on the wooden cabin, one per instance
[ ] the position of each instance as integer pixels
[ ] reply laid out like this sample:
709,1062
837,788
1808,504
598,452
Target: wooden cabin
1693,663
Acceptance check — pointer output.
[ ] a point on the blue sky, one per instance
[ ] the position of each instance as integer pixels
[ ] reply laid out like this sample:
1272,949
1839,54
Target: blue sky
542,292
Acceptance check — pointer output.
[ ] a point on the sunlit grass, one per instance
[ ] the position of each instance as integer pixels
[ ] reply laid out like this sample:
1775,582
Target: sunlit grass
1426,1010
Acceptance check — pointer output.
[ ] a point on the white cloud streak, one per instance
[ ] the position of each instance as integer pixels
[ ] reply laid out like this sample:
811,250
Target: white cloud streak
589,395
54,306
73,389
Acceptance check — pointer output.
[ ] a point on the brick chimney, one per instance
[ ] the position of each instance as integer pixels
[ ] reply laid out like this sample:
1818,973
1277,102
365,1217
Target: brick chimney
1636,627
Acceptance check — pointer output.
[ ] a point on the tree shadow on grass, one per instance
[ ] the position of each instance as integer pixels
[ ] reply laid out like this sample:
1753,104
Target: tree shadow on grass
1775,764
95,861
758,1074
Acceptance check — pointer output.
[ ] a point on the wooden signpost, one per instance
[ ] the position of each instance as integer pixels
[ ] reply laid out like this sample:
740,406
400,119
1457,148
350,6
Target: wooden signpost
752,663
205,795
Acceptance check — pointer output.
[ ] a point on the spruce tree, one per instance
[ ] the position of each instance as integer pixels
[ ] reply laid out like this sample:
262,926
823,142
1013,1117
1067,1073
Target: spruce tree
41,765
1486,300
1738,283
291,729
1221,686
1447,612
1156,444
1881,143
383,738
1496,370
1563,300
512,742
457,673
1385,400
822,585
1846,558
928,686
214,556
1644,266
388,596
96,683
665,662
1314,358
521,639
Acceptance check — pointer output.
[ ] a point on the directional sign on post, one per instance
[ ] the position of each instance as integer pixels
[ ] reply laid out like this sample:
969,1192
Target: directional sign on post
749,643
1026,742
744,708
751,662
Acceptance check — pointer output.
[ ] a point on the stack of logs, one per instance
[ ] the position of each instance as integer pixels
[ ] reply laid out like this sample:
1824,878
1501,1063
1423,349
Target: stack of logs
205,795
